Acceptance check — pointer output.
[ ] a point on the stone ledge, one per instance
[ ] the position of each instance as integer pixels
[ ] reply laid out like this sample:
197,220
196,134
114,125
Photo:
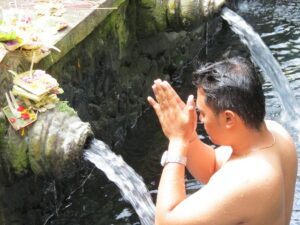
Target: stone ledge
82,18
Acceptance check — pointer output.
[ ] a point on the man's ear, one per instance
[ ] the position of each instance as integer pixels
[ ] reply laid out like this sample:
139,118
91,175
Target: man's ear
229,118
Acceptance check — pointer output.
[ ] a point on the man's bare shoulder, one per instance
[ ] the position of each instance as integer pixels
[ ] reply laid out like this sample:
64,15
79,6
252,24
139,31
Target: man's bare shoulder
237,184
223,154
277,128
230,197
284,141
248,179
252,170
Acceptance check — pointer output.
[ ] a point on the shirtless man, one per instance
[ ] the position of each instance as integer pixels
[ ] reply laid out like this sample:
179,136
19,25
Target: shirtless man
250,179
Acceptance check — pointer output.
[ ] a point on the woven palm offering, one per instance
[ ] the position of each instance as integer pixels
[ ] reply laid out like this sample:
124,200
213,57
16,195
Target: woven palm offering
33,34
33,92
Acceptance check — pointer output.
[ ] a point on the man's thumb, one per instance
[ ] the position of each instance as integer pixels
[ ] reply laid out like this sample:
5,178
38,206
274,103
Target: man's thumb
190,102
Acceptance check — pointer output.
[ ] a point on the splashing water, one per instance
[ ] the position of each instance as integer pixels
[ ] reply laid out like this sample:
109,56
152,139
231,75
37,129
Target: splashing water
262,56
130,183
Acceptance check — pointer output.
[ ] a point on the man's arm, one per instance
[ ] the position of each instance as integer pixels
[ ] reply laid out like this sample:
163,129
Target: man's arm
201,160
171,190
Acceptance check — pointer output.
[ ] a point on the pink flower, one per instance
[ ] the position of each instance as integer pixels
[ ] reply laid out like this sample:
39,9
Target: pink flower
12,119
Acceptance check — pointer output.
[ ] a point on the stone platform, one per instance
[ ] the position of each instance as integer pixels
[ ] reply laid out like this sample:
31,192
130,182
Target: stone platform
82,17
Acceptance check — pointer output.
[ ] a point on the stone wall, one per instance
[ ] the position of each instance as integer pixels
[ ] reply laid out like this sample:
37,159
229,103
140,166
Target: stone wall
108,76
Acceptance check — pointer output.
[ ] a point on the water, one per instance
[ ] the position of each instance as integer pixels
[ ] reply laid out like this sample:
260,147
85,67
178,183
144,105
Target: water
130,183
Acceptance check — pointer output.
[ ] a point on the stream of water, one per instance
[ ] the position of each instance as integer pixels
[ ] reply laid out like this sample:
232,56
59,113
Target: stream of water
130,183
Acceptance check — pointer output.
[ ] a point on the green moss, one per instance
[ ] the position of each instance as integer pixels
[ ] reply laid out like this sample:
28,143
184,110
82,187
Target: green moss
50,145
3,143
35,156
50,161
118,3
17,153
115,28
151,18
160,17
63,106
13,149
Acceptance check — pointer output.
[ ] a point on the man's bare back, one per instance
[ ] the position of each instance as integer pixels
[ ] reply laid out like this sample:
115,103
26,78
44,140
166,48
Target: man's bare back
276,169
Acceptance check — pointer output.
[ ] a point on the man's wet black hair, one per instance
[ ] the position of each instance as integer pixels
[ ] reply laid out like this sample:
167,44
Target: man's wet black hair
233,84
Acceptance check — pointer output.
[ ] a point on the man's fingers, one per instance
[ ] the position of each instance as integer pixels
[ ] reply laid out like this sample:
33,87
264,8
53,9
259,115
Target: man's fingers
157,80
152,102
158,92
156,108
190,101
154,105
176,96
166,96
171,96
190,104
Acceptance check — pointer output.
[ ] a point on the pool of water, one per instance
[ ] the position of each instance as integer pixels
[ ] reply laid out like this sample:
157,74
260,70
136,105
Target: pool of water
278,23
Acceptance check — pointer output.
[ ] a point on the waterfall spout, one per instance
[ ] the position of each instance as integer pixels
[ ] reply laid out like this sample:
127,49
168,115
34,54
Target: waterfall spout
190,12
52,146
210,6
178,14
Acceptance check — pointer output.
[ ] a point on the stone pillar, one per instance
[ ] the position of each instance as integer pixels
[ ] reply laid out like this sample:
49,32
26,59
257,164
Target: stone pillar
176,14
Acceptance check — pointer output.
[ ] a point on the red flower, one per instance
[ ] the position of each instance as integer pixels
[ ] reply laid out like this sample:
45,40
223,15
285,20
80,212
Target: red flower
21,108
25,116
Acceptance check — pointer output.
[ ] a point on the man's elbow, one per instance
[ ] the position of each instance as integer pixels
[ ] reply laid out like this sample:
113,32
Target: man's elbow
165,218
161,220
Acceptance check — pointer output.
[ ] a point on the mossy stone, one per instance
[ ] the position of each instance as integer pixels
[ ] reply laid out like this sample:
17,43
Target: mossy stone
17,152
63,106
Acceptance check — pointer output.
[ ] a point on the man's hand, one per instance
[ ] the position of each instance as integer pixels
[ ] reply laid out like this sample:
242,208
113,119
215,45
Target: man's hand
178,120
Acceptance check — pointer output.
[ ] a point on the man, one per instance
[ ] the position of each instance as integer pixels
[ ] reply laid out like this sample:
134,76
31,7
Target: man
250,179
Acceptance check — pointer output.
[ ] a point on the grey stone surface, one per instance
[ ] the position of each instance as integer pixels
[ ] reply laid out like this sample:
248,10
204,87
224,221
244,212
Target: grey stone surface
56,142
82,17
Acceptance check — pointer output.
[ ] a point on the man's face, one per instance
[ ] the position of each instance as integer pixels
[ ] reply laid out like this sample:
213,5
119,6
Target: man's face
207,116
